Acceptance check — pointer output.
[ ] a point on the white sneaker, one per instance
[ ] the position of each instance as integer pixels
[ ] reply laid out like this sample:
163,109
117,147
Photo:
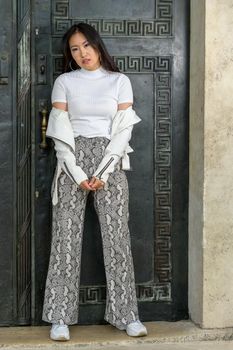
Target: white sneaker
59,332
136,329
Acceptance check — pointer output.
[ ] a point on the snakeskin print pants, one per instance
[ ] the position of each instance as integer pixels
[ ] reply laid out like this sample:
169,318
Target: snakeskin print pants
111,204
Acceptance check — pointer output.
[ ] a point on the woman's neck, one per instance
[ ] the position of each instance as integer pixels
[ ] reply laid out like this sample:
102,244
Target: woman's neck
92,74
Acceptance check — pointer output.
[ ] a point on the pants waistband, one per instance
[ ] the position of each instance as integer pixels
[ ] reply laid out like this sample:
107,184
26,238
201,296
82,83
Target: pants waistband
92,138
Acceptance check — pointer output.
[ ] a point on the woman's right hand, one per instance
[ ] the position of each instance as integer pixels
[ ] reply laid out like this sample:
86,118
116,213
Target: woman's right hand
85,186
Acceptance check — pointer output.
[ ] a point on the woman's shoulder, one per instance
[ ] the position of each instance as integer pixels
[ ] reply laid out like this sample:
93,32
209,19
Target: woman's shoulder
121,78
120,75
63,79
124,77
64,76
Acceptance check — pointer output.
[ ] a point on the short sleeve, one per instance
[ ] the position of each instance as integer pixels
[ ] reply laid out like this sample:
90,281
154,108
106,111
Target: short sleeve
125,93
58,91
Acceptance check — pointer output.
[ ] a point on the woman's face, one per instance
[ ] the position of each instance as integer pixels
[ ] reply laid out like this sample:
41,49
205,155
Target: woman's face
83,53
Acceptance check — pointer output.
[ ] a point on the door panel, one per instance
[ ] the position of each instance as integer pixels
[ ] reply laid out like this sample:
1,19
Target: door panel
149,43
22,311
7,165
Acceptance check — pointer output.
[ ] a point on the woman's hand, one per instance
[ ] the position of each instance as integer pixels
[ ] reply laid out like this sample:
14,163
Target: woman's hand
96,184
85,185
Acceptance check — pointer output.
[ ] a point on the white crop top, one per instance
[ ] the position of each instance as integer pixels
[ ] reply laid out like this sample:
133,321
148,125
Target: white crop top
92,98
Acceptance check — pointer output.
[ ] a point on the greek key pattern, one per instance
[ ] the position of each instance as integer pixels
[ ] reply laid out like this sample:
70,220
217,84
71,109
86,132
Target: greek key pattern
163,188
145,293
137,64
160,66
160,26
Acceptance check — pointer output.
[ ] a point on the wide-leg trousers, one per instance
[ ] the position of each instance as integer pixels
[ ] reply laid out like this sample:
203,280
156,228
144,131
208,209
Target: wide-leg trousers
111,204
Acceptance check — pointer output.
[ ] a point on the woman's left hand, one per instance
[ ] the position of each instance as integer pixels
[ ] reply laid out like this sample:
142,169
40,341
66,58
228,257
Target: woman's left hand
96,184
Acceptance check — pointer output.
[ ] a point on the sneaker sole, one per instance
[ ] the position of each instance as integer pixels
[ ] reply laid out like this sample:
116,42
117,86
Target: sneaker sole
140,334
60,338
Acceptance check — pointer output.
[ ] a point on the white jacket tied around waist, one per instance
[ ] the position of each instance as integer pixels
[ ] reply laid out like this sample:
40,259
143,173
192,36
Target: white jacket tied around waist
60,130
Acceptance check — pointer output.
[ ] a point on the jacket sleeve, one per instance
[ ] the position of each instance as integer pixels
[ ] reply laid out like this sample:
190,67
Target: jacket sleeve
67,161
113,152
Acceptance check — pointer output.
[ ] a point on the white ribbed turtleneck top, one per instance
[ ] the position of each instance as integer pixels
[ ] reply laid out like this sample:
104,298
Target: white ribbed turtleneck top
92,98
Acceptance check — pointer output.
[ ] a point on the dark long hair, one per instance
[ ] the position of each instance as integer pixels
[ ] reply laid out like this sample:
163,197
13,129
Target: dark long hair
94,40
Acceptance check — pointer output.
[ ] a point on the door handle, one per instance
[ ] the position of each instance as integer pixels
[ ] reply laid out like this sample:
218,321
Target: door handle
44,123
4,66
42,69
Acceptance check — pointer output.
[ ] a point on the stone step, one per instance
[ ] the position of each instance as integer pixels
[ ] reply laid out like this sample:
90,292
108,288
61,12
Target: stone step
202,345
108,337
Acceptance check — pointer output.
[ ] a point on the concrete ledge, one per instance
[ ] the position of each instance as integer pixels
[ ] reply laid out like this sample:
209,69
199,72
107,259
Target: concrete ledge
102,335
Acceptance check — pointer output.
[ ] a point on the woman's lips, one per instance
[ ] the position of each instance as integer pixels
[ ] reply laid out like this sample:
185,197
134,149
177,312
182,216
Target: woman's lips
86,61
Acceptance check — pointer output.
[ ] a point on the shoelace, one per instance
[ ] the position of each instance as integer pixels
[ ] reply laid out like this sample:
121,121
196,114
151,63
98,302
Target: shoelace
60,326
137,322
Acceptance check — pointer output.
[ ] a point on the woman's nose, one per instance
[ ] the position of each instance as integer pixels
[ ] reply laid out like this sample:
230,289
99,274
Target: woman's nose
83,52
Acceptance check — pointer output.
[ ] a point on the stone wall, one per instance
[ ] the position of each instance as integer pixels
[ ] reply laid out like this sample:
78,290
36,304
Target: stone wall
196,160
211,164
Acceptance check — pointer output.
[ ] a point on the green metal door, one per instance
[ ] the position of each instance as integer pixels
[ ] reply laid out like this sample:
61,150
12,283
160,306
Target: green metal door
149,42
15,163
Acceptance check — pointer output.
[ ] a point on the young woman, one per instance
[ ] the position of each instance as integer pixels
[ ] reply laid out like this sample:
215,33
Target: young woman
91,122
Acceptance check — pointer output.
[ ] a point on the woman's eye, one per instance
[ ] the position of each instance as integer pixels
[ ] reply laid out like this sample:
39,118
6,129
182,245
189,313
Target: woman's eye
75,48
